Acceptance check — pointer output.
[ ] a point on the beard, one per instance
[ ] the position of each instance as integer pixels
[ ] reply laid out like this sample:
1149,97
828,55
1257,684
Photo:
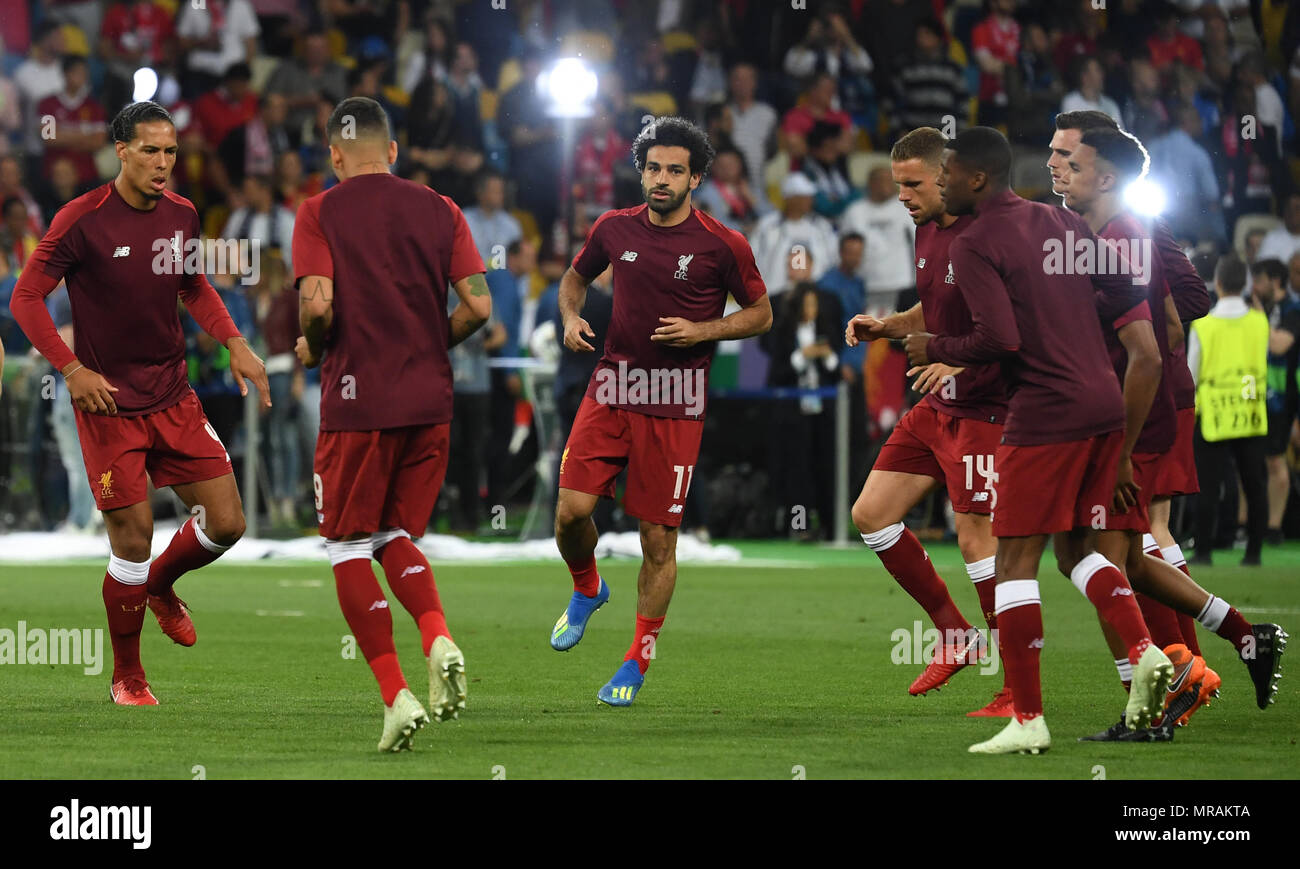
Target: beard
664,206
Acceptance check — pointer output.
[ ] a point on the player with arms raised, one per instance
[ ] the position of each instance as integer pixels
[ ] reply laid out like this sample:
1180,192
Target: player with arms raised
1059,464
122,251
948,438
673,269
373,257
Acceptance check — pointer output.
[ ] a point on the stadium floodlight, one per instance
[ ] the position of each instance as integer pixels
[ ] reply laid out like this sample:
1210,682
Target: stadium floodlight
146,84
1145,197
569,86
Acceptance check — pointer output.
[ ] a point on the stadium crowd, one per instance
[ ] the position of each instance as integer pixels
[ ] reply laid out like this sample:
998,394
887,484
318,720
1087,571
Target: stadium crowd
801,104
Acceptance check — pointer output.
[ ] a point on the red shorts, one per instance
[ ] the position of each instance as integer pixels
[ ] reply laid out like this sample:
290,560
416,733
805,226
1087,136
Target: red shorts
1046,488
1176,473
172,445
956,451
369,481
659,454
1145,468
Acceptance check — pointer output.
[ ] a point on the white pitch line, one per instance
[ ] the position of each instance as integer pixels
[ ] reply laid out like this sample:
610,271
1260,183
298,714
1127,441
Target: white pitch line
287,613
301,583
1286,611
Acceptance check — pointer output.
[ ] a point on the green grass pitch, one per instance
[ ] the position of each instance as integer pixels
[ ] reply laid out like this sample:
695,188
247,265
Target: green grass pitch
776,667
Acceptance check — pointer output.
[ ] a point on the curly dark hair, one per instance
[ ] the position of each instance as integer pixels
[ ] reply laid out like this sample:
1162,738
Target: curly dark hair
123,126
673,131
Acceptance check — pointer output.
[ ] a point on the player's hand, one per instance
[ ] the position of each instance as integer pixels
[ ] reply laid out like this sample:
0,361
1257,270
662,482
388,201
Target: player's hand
91,392
573,332
932,376
863,327
1126,488
819,350
245,363
677,332
917,346
304,353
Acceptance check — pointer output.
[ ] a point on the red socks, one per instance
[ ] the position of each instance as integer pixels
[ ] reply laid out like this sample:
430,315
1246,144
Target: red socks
411,579
907,561
1107,589
1020,619
124,602
642,649
189,550
366,611
1161,621
585,577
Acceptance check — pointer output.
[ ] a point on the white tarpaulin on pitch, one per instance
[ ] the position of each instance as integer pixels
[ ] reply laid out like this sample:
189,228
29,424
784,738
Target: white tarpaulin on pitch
56,546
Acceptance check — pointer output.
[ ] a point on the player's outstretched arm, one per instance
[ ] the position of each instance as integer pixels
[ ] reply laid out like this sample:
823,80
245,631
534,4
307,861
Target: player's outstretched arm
315,314
573,295
1141,381
474,309
864,327
752,319
994,333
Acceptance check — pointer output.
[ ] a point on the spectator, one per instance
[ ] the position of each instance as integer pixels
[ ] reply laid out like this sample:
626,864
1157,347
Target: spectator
1254,238
1249,166
826,167
509,288
995,45
274,302
494,229
1269,294
599,152
888,27
888,267
11,115
1087,96
135,33
466,91
39,76
11,184
214,36
1268,105
1081,39
433,58
1187,91
306,80
1283,242
845,284
292,185
1169,45
254,148
63,186
708,85
727,195
262,219
753,122
1144,113
471,417
829,46
80,124
534,141
1225,349
804,345
929,86
1034,89
792,235
361,20
818,104
17,241
227,107
1186,173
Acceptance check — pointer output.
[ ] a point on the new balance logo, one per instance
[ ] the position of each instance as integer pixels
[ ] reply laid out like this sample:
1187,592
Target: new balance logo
1036,644
628,256
379,605
980,496
676,508
1121,591
920,264
123,250
415,568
